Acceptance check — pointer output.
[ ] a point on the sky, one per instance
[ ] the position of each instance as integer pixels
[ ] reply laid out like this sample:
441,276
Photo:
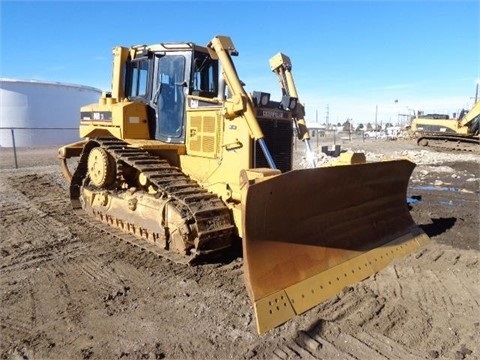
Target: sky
357,60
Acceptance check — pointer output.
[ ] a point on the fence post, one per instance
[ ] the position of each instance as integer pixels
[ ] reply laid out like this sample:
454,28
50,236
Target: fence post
14,148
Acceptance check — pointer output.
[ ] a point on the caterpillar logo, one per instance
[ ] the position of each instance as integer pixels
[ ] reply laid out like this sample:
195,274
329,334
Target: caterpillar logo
272,114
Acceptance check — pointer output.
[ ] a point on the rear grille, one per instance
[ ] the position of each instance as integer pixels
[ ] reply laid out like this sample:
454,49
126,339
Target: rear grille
279,138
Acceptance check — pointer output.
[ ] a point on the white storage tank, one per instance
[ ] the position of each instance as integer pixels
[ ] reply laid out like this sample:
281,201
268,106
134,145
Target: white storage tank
50,111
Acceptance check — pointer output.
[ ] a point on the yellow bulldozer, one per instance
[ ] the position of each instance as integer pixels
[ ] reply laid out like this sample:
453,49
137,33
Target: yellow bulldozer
441,131
187,163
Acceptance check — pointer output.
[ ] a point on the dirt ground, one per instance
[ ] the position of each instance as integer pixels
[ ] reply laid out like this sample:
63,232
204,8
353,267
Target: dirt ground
69,291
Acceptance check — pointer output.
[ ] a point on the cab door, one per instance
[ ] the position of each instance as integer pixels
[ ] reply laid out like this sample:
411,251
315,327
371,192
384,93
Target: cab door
169,97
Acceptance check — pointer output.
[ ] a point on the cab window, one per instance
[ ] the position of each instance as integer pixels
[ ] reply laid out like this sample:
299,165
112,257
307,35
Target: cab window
138,84
205,75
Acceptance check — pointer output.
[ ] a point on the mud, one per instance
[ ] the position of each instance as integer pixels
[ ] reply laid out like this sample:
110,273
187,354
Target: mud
72,292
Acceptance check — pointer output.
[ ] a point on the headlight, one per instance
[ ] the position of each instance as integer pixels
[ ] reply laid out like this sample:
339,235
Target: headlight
265,99
289,103
261,98
293,103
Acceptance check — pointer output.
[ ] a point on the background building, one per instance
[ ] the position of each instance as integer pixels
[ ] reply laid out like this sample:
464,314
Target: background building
50,111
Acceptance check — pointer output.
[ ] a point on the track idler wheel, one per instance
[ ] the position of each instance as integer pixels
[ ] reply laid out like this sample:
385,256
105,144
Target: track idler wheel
422,142
101,167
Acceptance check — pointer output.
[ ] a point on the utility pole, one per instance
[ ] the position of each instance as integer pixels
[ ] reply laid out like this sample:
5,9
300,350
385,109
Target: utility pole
476,93
376,113
327,116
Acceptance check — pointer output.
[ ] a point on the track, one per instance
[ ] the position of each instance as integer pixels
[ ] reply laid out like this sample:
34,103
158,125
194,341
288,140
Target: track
200,209
450,142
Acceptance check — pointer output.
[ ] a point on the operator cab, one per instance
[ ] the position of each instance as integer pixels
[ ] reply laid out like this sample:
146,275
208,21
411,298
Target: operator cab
161,76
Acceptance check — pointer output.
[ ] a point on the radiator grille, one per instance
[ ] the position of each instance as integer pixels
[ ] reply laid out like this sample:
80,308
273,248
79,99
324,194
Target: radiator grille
279,140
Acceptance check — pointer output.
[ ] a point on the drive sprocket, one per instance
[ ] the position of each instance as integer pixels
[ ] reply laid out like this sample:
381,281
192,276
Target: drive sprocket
101,167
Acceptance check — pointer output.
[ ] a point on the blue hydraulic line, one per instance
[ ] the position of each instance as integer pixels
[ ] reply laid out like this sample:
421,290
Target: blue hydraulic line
269,158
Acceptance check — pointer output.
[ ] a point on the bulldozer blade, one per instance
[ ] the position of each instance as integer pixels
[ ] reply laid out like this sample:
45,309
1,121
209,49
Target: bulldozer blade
309,233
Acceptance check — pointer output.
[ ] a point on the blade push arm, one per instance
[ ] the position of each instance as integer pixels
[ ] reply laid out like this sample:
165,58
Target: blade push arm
240,104
282,67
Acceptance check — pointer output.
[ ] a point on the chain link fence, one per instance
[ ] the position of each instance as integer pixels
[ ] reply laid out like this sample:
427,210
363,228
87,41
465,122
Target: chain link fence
33,146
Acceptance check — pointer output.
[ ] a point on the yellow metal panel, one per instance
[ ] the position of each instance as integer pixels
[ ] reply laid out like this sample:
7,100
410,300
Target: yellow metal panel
272,311
97,130
277,308
128,120
135,121
422,239
203,129
324,285
279,60
382,256
155,145
199,168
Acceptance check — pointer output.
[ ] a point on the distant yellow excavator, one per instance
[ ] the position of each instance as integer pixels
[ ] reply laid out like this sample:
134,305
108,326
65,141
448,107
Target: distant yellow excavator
185,163
442,132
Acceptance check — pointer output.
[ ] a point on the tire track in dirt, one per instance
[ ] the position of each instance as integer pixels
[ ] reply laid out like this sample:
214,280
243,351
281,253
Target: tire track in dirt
108,278
364,345
386,347
25,219
433,296
93,272
449,294
17,312
41,248
87,270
